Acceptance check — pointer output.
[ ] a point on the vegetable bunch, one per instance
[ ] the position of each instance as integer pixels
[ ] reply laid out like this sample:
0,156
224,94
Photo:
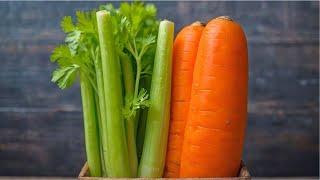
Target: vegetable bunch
123,60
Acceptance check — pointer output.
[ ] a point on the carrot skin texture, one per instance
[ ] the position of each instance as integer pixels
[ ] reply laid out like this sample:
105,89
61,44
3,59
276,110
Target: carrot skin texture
157,125
184,55
217,118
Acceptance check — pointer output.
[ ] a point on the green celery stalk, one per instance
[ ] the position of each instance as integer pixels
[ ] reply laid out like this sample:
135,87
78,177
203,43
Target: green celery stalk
132,147
155,143
128,78
145,83
91,131
136,121
103,168
117,151
102,114
128,75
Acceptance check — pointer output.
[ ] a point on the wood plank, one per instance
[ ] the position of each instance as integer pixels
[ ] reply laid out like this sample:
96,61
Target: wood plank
43,125
243,174
266,19
43,144
281,136
273,70
275,136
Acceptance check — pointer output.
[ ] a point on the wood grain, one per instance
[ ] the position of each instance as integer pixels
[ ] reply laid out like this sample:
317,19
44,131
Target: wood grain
41,128
244,174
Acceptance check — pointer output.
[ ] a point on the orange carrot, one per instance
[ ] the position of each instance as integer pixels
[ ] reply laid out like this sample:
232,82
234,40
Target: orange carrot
184,55
217,118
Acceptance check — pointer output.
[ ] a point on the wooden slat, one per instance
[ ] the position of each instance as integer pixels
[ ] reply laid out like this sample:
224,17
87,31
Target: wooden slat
244,174
43,125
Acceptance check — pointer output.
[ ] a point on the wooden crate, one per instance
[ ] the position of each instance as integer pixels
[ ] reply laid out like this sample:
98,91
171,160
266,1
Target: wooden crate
243,174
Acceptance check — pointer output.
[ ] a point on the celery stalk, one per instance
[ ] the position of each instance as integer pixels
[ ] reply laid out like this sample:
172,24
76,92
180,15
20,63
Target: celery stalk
136,121
145,83
128,75
128,78
132,147
91,130
102,112
103,168
117,151
155,143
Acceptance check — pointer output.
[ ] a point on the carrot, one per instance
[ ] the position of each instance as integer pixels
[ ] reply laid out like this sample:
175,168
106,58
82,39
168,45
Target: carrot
184,55
215,128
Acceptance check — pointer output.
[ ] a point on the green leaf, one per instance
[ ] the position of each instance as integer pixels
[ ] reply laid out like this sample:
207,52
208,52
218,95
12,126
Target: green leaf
60,52
150,39
142,101
128,111
67,25
64,77
145,42
86,21
151,10
133,104
62,55
73,39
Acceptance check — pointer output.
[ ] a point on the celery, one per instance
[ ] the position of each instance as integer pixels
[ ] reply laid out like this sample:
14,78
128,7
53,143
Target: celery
128,78
145,83
135,29
117,151
155,143
108,48
73,59
90,127
101,110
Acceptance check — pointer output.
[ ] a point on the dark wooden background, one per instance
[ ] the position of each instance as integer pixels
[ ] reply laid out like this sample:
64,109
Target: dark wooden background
41,126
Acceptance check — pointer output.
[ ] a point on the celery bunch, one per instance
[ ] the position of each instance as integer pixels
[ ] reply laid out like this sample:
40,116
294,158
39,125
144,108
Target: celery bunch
112,52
